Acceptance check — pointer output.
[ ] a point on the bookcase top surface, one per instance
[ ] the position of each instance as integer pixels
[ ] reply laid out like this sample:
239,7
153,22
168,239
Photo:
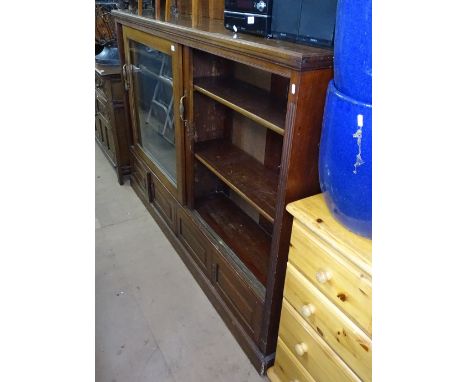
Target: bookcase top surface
211,32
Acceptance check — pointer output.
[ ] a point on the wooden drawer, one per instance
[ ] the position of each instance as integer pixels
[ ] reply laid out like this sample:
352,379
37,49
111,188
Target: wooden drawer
193,240
140,175
287,368
237,294
163,201
102,108
343,336
317,357
101,86
341,281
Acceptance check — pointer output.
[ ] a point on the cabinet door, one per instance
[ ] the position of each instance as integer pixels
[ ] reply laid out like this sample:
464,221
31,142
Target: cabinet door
154,73
237,294
97,124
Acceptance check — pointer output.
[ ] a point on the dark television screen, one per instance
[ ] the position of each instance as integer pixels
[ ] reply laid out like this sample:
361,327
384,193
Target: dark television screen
310,21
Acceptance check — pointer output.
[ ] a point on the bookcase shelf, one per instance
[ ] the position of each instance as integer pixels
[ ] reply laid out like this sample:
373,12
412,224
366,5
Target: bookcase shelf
248,100
243,174
247,240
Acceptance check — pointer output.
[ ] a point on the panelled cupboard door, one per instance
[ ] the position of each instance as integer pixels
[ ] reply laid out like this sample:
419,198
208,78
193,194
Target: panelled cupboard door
153,73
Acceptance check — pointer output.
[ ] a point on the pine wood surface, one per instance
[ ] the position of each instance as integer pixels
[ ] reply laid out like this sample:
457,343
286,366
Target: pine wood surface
349,288
313,213
246,239
286,367
343,336
241,172
251,101
319,360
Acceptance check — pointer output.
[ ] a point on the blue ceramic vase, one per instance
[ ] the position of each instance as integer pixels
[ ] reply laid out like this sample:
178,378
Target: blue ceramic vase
353,49
345,160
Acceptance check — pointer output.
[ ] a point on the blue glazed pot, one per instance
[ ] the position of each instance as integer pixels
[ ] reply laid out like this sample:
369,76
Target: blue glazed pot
345,160
353,49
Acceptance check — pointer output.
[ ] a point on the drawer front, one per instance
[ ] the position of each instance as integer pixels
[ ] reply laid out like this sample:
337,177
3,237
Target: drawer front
163,201
237,294
140,175
103,131
287,367
343,336
97,128
102,107
310,349
342,282
193,241
102,87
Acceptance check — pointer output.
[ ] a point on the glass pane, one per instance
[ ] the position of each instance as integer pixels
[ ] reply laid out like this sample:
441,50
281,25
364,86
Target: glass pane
154,101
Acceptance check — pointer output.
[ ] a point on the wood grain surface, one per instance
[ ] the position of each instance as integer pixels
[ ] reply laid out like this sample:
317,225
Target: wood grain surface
242,173
246,239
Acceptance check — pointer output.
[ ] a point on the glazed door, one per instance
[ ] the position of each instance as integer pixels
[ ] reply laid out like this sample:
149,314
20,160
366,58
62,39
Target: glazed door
153,71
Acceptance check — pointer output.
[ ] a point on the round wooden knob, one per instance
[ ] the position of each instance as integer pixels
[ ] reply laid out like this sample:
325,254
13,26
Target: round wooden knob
300,349
323,276
308,310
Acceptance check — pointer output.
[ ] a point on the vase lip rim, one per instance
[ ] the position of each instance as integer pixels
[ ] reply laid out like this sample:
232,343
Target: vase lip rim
333,89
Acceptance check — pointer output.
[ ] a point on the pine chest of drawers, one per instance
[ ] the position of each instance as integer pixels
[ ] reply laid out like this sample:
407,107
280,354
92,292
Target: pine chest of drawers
326,319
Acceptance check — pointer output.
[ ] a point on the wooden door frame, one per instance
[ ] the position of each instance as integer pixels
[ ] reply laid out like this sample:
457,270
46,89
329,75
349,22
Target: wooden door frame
173,50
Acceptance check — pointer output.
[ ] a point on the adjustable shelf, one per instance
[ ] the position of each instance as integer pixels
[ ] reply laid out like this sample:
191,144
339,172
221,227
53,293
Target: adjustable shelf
255,183
248,100
247,240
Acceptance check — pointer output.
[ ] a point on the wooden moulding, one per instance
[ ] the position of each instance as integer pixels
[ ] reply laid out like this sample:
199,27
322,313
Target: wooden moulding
242,173
248,100
211,36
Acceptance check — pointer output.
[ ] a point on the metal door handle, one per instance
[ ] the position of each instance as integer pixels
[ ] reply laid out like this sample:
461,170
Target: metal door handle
125,76
182,109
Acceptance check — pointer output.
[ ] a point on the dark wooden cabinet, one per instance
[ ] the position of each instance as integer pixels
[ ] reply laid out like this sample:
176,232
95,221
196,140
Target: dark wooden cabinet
225,133
111,128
